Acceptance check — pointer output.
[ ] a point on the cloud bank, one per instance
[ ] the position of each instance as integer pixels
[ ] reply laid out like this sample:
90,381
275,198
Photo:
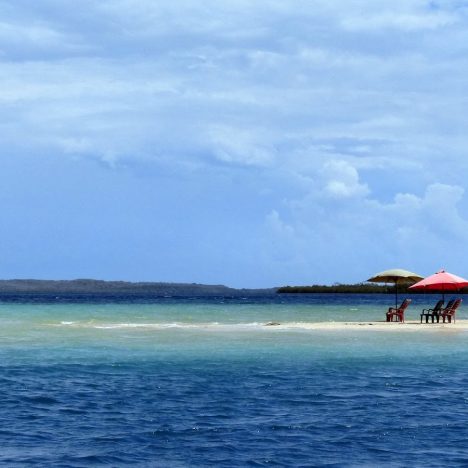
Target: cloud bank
344,123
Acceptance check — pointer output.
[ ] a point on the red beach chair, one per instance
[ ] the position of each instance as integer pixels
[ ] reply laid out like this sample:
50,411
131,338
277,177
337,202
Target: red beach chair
449,313
398,314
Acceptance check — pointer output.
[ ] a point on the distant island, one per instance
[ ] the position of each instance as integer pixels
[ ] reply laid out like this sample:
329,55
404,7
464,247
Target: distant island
104,288
361,288
77,287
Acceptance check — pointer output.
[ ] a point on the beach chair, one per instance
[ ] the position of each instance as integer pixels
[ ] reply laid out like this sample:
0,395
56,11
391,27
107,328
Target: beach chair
449,314
445,309
398,314
433,313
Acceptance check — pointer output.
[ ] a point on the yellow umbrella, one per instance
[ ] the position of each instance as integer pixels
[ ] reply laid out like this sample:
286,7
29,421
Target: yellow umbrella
397,276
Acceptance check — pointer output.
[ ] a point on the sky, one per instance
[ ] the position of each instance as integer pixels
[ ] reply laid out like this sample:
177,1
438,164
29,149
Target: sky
246,143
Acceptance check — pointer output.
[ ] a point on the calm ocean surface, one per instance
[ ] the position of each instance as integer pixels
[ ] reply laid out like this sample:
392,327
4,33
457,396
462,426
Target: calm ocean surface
202,382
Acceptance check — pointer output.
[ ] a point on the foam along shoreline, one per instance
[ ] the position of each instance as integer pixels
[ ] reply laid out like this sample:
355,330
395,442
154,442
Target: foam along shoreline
273,326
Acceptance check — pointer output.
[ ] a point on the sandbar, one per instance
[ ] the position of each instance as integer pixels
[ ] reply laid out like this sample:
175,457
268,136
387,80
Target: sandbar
371,325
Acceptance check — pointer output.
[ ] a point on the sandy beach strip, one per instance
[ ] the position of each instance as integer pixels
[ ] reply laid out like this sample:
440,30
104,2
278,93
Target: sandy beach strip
410,325
365,326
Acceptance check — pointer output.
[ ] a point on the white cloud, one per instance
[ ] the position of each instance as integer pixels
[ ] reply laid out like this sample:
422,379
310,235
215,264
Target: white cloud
182,69
362,234
440,203
280,228
31,34
342,180
405,21
240,146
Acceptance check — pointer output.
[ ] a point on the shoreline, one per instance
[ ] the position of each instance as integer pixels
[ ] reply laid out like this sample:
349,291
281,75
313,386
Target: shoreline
410,325
366,326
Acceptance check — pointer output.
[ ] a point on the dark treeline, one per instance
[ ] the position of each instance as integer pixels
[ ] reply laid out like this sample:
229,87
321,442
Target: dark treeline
338,288
363,288
99,287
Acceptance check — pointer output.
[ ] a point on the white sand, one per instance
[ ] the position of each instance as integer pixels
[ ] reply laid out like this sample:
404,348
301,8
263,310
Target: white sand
386,326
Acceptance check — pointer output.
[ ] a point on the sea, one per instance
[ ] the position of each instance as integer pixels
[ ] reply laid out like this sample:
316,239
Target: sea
203,381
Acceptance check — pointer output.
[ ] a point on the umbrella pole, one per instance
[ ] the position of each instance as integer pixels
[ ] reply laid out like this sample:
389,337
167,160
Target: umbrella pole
396,294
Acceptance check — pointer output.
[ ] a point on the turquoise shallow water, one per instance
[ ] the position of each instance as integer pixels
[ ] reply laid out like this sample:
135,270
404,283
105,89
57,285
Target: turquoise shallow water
202,382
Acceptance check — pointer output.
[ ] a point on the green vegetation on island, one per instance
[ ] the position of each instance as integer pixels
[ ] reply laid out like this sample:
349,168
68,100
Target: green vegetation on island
107,288
362,288
125,288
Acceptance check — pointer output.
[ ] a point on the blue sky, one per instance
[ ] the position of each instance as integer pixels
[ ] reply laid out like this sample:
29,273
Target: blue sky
251,144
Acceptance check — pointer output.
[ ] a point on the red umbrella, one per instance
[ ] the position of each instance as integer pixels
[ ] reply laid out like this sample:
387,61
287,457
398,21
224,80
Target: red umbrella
441,281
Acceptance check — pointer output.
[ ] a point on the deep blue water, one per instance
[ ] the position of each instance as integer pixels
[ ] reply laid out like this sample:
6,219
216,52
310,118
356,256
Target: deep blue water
83,395
318,298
